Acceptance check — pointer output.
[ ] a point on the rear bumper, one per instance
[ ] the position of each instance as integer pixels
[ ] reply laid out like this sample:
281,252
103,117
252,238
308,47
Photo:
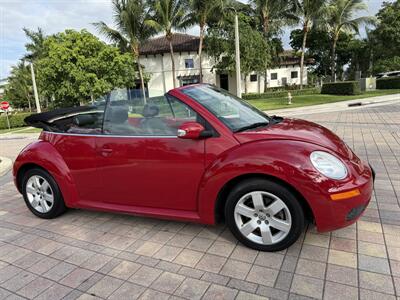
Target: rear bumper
342,213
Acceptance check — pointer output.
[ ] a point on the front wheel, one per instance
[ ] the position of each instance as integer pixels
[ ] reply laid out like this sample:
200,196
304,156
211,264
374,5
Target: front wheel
264,215
42,194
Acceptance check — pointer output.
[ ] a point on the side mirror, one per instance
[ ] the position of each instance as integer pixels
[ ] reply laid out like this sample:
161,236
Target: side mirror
192,130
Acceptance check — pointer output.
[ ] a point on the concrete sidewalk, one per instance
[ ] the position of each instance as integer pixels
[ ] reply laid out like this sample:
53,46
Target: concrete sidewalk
336,106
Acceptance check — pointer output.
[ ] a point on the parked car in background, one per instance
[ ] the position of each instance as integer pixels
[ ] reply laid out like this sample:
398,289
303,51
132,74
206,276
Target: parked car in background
195,154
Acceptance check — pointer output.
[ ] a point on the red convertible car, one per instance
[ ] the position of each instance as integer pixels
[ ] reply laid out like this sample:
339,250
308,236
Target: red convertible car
195,154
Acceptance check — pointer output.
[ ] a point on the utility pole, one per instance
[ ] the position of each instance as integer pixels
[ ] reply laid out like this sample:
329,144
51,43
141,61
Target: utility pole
237,56
35,92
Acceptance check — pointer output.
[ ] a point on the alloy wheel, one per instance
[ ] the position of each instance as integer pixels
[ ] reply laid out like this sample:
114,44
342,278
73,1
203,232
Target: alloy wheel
40,194
262,218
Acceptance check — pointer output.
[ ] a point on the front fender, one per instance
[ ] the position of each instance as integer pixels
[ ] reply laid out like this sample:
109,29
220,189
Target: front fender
283,159
44,155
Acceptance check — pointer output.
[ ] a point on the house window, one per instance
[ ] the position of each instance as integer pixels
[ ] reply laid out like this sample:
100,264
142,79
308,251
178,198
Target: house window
253,77
295,74
189,64
274,76
186,80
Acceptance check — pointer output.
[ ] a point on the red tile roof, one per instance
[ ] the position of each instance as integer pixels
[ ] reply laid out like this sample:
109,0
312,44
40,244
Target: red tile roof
189,43
181,43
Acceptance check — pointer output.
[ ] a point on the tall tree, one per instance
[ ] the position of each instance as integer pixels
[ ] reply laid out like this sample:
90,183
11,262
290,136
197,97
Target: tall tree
253,48
340,18
386,38
273,15
169,15
19,88
130,20
310,12
201,12
78,66
35,45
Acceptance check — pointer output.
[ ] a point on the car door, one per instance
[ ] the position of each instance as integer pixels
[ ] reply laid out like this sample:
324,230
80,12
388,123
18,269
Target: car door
77,146
142,162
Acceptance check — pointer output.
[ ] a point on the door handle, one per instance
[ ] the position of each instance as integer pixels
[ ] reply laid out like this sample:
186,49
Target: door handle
106,152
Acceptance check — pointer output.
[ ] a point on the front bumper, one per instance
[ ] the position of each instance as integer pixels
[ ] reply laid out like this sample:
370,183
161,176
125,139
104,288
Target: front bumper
342,213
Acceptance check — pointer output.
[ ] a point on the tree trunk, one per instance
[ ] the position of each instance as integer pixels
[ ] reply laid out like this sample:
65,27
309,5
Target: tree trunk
371,63
171,49
29,104
141,80
265,80
333,60
303,50
245,83
200,51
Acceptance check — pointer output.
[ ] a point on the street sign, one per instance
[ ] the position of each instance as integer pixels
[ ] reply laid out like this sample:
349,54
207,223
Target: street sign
4,105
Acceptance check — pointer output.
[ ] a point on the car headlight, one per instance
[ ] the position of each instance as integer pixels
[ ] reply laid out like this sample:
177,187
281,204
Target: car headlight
328,165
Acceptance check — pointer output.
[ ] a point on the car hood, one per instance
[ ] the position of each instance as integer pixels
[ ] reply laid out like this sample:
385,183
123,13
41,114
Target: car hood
297,130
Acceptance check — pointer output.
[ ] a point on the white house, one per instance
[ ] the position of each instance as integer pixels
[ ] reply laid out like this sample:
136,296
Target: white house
156,59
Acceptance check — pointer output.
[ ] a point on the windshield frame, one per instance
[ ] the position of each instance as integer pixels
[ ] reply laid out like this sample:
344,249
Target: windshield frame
263,117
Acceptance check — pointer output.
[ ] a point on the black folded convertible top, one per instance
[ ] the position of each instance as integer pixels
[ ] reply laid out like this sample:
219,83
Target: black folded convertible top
42,120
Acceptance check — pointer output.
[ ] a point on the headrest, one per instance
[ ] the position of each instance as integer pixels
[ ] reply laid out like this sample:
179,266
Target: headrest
150,110
84,119
118,115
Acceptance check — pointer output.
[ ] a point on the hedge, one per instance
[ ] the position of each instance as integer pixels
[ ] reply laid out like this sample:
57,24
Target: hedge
388,83
341,88
16,120
279,94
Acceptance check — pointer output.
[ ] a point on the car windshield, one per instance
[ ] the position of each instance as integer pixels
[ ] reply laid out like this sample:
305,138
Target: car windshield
232,111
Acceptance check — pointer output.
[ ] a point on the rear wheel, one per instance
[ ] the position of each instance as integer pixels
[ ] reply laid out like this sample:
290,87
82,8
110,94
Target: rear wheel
42,194
264,215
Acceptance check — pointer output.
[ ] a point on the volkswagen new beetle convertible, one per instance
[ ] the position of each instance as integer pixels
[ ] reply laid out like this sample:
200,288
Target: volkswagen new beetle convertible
195,154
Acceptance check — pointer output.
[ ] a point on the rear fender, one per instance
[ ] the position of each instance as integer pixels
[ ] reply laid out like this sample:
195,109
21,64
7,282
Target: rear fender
42,154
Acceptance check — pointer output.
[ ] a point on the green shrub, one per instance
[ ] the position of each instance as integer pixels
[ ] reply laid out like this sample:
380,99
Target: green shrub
282,93
388,83
16,120
341,88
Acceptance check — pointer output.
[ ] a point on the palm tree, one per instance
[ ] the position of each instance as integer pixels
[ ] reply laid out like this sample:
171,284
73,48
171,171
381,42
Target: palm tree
273,15
35,47
19,88
130,20
310,12
169,15
201,11
340,19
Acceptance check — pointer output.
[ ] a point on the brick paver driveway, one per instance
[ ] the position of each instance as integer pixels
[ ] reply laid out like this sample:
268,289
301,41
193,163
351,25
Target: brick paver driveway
88,255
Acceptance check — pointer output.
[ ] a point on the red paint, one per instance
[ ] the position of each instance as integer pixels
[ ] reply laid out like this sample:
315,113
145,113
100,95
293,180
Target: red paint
175,178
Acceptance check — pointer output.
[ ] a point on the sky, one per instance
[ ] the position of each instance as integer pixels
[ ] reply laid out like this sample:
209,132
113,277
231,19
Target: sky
57,15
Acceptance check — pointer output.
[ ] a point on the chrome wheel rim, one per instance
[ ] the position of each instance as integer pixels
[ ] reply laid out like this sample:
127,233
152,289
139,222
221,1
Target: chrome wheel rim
263,218
39,194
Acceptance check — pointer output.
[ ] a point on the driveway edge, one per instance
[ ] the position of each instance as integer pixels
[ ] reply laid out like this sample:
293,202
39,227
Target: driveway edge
5,165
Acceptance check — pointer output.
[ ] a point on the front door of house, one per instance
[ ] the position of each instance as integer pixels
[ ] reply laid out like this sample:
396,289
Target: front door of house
224,81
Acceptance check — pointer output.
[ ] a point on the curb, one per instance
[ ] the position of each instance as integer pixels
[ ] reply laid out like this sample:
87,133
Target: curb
5,165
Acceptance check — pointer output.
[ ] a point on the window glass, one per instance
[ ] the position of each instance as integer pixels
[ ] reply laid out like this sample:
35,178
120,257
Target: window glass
189,64
274,76
253,77
128,115
232,111
294,74
191,79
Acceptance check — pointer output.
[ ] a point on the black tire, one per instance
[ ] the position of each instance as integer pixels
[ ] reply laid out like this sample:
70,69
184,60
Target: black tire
295,209
58,206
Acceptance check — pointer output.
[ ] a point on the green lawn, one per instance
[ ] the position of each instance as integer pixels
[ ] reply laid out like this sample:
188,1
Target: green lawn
306,100
21,130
